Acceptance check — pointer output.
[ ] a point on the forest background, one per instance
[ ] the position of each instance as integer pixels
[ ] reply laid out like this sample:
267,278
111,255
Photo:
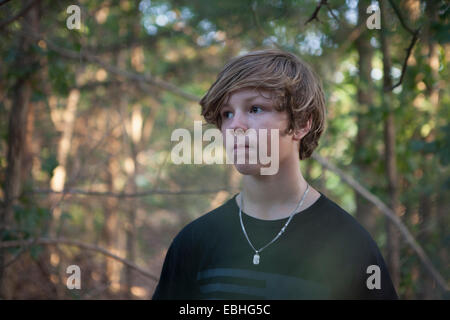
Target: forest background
87,111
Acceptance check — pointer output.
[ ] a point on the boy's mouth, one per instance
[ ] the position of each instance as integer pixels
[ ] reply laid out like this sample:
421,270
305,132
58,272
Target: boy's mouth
240,146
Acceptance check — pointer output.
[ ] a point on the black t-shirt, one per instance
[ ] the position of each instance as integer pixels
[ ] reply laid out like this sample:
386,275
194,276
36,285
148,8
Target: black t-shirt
323,254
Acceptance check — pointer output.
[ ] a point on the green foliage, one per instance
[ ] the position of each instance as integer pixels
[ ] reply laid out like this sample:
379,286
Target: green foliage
31,219
61,77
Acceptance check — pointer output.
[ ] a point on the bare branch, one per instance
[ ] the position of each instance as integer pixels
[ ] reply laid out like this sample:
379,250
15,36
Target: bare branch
92,85
415,34
22,250
146,78
331,12
21,13
316,12
127,195
400,17
408,53
82,245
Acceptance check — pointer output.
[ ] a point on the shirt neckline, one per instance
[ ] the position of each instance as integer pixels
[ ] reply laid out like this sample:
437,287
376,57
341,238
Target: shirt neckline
306,212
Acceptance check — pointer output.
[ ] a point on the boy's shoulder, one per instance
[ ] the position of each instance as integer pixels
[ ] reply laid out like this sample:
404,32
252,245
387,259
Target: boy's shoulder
345,228
209,221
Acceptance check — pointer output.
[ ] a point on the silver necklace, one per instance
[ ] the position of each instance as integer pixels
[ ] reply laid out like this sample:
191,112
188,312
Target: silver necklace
256,257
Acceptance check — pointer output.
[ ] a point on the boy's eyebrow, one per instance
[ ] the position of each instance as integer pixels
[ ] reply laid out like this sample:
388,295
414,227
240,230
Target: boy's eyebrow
251,98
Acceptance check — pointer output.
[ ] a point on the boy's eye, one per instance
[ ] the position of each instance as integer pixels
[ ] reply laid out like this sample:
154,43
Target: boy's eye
226,114
255,109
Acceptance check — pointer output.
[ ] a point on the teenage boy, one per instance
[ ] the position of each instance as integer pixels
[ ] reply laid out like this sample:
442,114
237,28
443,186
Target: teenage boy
279,238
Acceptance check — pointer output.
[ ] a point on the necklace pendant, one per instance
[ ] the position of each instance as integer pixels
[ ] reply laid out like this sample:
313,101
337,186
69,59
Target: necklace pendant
256,258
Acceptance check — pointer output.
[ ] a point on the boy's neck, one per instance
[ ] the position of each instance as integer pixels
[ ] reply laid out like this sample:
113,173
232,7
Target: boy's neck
274,197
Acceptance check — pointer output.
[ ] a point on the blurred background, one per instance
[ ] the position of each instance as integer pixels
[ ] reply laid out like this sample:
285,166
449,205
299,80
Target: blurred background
90,92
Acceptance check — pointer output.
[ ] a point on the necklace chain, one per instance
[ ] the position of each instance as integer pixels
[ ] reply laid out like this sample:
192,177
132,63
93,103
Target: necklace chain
256,256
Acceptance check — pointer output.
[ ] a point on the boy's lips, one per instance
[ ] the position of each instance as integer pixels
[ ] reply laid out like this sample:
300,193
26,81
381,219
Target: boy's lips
241,146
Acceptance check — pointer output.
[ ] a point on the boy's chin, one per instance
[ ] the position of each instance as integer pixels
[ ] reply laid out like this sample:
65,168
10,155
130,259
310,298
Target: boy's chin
248,169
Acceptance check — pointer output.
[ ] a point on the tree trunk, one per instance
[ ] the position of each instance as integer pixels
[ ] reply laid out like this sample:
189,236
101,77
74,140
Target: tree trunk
393,236
17,131
58,180
427,209
133,131
111,275
365,211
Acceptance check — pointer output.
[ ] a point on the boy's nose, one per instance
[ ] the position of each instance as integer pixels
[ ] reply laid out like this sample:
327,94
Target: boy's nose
239,123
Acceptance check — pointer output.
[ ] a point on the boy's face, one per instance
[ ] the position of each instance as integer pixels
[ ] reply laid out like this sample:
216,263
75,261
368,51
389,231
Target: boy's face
248,109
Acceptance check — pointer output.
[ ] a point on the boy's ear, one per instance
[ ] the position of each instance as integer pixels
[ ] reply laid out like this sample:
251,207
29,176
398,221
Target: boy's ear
300,133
